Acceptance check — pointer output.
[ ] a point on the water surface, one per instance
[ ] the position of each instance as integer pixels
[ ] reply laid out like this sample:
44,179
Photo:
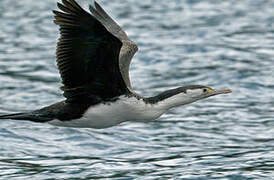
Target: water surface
222,44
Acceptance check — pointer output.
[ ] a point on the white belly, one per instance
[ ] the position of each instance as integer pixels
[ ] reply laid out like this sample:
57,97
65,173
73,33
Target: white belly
113,113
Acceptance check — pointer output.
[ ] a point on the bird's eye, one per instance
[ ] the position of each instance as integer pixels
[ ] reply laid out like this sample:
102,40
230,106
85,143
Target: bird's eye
204,90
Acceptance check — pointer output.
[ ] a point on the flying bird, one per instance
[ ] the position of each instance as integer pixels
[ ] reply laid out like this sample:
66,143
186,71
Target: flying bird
93,57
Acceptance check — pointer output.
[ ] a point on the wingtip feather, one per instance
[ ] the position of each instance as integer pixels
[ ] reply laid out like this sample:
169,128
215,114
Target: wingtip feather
93,4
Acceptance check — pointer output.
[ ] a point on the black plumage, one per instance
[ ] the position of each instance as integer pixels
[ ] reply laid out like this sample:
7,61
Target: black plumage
88,61
62,111
87,55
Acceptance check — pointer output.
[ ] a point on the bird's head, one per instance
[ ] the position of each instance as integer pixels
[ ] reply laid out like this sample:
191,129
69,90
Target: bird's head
197,92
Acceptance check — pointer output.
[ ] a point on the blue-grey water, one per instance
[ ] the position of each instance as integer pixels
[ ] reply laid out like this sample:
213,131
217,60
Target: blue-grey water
221,44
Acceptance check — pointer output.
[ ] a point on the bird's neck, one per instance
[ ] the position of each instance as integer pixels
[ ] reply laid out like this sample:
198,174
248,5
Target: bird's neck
170,99
137,108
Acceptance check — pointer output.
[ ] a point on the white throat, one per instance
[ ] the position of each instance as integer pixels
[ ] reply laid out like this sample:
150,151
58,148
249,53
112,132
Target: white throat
177,100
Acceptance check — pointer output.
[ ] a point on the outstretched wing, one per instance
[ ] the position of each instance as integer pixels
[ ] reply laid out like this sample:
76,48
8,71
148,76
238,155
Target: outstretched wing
87,54
129,48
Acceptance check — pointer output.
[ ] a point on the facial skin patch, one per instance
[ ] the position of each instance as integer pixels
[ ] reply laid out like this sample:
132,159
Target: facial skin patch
209,89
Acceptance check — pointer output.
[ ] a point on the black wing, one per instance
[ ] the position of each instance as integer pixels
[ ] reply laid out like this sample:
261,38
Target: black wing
87,55
129,48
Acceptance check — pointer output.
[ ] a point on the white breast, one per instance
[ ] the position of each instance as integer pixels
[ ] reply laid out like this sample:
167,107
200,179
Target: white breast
112,113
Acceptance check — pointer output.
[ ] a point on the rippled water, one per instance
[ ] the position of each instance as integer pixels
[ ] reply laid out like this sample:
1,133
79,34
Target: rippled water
223,44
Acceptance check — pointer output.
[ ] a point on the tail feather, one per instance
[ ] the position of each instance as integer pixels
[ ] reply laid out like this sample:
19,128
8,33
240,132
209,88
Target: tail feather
12,116
26,116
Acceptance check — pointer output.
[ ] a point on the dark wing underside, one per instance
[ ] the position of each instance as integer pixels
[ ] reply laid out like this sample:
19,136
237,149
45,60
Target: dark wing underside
87,55
129,48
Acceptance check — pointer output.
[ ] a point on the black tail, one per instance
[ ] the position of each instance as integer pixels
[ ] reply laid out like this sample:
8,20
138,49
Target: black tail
30,116
14,116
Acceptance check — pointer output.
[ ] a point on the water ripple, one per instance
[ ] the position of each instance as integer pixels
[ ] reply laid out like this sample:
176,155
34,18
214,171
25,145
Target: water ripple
223,44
